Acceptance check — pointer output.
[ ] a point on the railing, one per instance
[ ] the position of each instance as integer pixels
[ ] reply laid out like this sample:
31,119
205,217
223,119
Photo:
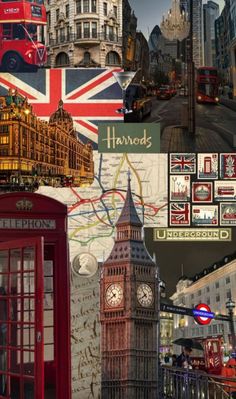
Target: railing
188,384
73,38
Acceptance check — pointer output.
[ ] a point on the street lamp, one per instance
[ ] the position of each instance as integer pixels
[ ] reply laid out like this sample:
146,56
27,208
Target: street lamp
230,306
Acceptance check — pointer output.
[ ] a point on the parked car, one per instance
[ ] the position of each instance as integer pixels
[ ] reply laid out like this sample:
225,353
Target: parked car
137,101
164,93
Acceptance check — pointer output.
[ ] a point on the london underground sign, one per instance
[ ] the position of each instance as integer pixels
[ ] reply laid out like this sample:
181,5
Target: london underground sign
202,314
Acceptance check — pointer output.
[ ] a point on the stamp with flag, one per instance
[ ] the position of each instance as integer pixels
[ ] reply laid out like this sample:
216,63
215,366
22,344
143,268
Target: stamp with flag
182,163
180,214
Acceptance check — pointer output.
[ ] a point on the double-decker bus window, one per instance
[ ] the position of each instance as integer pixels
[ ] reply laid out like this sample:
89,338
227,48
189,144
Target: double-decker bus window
32,31
18,32
6,31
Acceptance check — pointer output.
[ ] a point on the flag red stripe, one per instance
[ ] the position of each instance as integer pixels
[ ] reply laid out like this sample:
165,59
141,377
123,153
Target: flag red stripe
89,127
11,86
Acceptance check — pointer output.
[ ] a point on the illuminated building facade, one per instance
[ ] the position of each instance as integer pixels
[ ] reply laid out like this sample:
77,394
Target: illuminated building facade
213,286
31,149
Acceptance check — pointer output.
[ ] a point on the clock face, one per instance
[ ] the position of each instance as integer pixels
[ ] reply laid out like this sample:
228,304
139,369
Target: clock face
114,295
145,295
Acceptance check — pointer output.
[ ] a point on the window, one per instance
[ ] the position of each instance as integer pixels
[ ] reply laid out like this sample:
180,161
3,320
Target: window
67,10
86,6
115,11
112,58
227,280
48,19
78,7
217,284
214,329
57,14
228,294
218,298
94,6
86,30
208,301
207,289
79,30
94,29
192,296
105,8
87,57
199,293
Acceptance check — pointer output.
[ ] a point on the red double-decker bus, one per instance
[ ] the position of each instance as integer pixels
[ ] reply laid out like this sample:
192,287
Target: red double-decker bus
207,90
20,23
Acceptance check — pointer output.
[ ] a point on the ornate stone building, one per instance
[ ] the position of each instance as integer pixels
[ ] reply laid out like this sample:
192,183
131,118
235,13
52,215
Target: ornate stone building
128,313
84,33
31,148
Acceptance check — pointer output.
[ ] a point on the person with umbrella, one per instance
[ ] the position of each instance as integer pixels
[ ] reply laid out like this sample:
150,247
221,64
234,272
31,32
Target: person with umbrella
184,359
188,344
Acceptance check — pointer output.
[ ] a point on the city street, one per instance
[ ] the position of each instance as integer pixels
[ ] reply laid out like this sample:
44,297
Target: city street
215,125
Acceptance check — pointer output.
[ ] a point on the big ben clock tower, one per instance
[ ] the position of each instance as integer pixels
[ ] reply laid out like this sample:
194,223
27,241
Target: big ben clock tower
128,313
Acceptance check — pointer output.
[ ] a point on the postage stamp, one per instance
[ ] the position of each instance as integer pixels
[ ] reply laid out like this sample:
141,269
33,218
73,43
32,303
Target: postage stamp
224,190
205,215
207,166
228,214
228,166
182,163
180,214
179,188
202,192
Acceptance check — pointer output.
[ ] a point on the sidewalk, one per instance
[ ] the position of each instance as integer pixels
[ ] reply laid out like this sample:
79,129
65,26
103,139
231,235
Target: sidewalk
177,139
228,103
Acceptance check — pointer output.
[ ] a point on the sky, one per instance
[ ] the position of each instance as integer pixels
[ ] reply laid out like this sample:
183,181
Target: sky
150,12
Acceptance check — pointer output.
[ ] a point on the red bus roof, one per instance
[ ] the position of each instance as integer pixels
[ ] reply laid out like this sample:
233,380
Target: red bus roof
22,11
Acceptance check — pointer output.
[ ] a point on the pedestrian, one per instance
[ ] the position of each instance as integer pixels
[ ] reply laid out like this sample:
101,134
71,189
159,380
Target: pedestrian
184,359
229,371
174,360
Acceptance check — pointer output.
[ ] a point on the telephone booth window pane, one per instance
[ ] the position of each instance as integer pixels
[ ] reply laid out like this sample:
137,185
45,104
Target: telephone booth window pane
48,302
15,284
29,310
3,308
15,260
29,390
28,337
15,335
28,259
15,309
3,336
3,263
15,361
29,283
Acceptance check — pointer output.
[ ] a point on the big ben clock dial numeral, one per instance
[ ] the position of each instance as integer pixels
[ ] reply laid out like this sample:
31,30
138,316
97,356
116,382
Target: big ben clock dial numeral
145,295
114,295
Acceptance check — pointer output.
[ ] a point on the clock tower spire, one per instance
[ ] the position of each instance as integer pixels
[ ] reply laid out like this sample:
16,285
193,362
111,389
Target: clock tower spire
128,312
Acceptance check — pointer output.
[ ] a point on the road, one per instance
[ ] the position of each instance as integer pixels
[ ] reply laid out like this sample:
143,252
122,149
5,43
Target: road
216,118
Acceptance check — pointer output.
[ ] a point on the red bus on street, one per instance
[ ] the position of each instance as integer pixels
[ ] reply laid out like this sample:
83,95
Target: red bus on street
207,85
20,23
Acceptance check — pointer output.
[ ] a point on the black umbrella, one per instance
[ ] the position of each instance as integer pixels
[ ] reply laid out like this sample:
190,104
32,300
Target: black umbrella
188,343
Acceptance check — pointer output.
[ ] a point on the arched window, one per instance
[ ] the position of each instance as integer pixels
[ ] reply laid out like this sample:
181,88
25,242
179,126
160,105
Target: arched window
62,60
87,57
112,58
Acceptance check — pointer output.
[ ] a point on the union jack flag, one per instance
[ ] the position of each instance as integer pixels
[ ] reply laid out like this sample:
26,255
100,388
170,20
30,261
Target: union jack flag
91,96
182,163
180,214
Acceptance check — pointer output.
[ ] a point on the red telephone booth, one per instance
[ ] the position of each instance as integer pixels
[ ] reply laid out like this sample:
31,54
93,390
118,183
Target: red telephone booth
35,361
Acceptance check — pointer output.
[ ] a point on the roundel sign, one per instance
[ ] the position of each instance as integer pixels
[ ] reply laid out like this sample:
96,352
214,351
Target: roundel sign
202,314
